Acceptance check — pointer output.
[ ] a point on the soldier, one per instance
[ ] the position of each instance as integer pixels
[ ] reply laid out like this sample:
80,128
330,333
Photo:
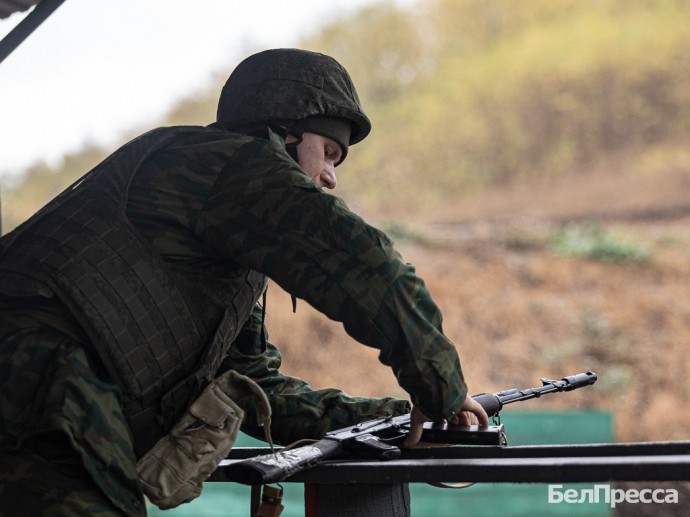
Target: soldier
132,320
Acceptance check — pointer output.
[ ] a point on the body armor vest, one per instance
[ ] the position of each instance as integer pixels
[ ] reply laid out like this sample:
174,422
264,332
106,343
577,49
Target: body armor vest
135,311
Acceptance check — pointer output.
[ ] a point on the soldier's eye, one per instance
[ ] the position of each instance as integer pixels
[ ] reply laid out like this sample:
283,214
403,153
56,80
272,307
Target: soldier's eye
332,153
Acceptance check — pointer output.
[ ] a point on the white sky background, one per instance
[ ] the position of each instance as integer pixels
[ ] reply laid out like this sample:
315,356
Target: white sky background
97,69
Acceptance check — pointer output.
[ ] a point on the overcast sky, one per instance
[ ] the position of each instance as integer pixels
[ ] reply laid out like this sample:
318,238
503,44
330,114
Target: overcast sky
96,69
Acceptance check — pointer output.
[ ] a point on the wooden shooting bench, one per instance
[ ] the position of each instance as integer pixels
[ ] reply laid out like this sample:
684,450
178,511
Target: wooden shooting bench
370,487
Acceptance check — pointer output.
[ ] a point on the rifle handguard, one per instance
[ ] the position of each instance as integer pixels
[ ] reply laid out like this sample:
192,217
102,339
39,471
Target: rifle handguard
490,402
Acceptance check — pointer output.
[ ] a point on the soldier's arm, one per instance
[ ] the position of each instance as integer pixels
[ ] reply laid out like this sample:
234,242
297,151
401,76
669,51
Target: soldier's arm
298,410
272,218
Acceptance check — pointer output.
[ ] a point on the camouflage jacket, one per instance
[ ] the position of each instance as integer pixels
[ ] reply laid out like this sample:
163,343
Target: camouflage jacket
218,196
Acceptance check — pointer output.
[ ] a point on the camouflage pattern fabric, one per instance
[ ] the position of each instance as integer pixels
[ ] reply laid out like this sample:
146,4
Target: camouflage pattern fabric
298,410
218,199
64,444
218,196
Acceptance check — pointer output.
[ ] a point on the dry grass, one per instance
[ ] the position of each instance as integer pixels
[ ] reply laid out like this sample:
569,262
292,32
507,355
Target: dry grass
518,311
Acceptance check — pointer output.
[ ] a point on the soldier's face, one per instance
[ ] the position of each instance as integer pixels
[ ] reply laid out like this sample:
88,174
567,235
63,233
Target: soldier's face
317,156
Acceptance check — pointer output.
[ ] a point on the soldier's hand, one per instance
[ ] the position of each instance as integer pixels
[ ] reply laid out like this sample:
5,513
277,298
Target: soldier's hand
471,413
417,419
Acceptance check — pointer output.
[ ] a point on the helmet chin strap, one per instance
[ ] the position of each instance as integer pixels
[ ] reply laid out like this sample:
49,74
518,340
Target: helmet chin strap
297,131
291,149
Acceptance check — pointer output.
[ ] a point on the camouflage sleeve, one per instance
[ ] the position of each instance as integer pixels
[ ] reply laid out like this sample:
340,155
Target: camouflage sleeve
265,213
298,410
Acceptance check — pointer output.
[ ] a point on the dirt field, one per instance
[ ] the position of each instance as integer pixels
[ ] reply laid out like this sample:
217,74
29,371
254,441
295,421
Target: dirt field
518,310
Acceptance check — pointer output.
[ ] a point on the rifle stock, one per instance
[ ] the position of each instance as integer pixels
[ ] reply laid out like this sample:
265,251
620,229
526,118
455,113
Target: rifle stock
279,465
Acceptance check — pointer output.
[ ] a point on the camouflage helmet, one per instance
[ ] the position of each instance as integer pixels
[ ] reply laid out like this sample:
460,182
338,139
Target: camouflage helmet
288,85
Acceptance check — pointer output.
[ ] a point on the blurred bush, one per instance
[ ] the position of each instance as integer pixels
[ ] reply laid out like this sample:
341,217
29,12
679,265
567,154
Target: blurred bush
469,93
592,241
498,90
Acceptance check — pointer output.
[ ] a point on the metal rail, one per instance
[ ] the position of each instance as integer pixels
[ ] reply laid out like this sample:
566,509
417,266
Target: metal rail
29,24
648,461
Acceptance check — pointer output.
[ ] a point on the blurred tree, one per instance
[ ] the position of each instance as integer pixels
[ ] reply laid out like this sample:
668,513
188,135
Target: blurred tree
467,93
384,47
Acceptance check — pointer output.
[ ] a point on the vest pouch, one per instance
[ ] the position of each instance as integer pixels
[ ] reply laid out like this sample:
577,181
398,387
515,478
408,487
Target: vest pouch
173,471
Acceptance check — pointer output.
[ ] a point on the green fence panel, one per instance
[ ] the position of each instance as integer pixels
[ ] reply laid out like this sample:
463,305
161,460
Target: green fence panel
522,500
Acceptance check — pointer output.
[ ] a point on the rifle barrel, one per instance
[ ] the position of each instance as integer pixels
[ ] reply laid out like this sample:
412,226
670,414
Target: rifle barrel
494,402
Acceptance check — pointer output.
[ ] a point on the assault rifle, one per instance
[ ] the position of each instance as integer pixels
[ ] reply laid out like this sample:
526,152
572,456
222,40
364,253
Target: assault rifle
380,438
